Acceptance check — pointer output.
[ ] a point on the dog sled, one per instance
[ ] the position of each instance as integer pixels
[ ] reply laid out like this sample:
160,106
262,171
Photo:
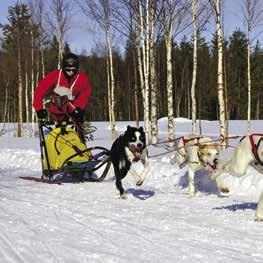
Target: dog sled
65,156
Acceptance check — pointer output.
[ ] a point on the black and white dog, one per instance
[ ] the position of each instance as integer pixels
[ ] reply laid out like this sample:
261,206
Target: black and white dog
127,149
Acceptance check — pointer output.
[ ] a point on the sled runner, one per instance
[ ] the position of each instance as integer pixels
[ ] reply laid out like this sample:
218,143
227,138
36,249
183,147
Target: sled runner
65,155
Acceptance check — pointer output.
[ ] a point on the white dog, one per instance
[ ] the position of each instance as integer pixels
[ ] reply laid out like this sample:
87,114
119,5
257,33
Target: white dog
199,153
248,152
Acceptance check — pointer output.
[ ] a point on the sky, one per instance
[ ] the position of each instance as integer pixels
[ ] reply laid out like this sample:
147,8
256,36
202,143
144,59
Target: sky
81,38
158,222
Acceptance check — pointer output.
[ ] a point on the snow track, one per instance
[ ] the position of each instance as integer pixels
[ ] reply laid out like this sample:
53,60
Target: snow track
85,222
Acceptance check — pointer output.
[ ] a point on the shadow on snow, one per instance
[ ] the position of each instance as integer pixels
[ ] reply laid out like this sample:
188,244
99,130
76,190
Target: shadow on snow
140,194
202,183
235,207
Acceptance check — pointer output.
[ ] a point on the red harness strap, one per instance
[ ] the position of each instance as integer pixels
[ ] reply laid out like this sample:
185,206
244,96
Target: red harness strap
254,147
191,139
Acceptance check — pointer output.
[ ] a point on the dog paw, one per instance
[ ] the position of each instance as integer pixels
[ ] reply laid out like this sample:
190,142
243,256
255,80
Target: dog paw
123,196
139,183
173,161
259,218
223,190
191,194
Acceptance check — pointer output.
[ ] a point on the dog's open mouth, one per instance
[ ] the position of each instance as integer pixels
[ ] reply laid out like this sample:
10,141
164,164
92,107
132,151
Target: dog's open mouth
211,167
135,149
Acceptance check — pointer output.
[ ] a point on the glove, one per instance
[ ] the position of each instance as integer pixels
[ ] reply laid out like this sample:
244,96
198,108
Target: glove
77,115
42,114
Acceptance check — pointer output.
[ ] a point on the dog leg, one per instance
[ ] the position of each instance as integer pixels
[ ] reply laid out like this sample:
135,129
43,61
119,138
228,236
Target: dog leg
145,163
118,182
259,211
220,185
134,174
191,183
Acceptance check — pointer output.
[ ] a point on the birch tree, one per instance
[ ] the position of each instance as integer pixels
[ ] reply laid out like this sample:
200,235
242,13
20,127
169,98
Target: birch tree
153,78
100,11
173,11
60,19
193,99
252,10
216,5
168,26
144,46
200,17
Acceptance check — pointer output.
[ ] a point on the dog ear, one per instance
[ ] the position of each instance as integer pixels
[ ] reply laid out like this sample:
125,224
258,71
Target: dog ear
128,127
141,128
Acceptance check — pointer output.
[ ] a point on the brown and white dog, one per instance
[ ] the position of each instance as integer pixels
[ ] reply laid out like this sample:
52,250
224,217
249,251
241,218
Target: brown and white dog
198,153
249,152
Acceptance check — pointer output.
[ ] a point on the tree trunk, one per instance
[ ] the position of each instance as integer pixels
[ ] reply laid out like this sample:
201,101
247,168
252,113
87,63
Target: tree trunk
168,40
20,90
193,99
112,85
248,78
257,117
5,114
26,95
221,100
145,62
109,91
136,106
152,61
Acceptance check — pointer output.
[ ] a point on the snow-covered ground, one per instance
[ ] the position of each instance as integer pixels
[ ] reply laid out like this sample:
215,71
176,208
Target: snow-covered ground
158,222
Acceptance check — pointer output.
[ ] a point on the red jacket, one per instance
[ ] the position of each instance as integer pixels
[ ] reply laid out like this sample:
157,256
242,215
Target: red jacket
80,89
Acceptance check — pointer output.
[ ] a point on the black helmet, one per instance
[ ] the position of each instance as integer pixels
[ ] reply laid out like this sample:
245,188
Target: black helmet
70,60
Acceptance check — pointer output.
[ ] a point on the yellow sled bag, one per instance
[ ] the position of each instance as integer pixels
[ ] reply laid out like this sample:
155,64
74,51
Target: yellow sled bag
61,146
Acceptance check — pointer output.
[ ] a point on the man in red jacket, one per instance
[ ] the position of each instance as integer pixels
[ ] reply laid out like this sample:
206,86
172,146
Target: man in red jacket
69,90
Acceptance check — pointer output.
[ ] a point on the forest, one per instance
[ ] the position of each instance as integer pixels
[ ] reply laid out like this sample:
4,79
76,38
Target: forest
136,73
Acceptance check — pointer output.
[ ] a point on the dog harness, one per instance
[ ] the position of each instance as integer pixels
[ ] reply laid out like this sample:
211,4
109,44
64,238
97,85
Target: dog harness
136,153
256,146
185,141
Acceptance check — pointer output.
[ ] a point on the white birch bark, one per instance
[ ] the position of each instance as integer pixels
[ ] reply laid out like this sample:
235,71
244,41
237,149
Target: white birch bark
20,89
248,82
5,114
144,39
6,103
42,32
136,106
59,31
109,91
168,41
100,12
220,81
193,99
32,84
26,95
168,27
111,71
152,61
112,84
249,29
61,11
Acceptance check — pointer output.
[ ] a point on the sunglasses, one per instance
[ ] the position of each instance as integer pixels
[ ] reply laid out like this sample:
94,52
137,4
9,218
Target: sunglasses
71,70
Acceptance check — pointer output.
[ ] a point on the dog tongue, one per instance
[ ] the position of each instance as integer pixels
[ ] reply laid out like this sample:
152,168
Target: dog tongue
136,150
209,169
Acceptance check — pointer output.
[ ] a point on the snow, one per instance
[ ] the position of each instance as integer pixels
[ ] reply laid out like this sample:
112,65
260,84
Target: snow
85,222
